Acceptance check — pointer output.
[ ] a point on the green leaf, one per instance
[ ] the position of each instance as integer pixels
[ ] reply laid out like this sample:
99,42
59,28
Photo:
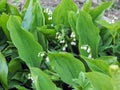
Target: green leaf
88,35
3,22
87,5
27,46
97,65
33,16
66,66
41,80
3,71
60,14
99,10
100,81
38,19
28,16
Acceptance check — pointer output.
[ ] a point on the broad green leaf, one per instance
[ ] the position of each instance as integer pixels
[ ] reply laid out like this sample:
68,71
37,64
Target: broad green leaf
2,5
3,71
28,16
3,22
87,5
27,46
88,35
41,80
100,81
97,65
60,14
99,10
38,20
33,16
67,66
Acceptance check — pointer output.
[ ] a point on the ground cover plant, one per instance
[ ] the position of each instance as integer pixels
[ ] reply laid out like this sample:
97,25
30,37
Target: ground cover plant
69,48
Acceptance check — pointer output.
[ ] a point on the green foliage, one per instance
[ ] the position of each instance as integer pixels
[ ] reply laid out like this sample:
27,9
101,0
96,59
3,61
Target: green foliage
97,12
60,13
65,64
88,34
100,81
28,15
65,49
30,48
87,5
97,65
41,80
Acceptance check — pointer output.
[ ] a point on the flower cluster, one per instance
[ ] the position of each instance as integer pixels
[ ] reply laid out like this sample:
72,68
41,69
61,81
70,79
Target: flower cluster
44,55
73,42
30,77
87,49
41,54
61,39
63,42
